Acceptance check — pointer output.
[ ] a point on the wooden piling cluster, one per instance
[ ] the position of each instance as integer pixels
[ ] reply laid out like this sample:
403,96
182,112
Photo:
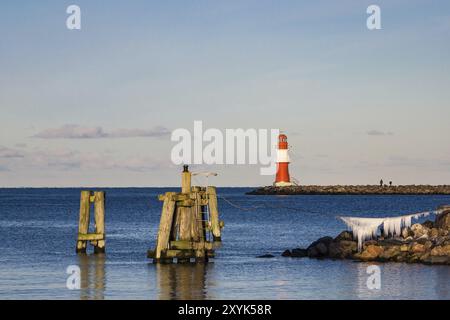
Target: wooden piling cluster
97,238
189,227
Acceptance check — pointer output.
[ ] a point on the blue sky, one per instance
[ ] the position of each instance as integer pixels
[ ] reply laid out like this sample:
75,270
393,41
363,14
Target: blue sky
357,105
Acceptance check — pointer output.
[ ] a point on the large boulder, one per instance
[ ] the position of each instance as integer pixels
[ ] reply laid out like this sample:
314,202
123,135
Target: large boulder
443,219
342,249
429,224
441,250
319,248
344,235
419,231
390,253
370,253
417,248
299,253
286,253
434,233
407,232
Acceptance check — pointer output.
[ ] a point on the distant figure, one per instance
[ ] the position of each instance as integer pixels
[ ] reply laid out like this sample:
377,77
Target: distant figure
381,182
390,183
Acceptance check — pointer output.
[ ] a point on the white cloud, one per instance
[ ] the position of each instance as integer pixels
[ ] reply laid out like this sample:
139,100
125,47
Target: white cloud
70,131
10,153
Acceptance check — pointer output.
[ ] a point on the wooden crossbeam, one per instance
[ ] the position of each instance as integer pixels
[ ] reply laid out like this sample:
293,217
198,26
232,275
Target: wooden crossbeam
91,236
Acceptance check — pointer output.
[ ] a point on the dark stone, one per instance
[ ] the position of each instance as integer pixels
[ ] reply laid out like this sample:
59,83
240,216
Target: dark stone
286,253
313,252
299,253
322,249
266,256
443,220
344,235
390,253
440,260
342,249
437,260
429,224
389,242
319,248
325,240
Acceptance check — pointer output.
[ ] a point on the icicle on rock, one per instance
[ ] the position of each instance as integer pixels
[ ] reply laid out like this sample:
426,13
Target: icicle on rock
363,228
367,228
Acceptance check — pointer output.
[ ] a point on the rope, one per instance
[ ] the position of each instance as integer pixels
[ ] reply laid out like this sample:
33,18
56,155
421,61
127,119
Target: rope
240,207
263,206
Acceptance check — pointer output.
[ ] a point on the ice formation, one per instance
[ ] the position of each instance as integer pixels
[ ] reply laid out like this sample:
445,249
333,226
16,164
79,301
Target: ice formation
367,228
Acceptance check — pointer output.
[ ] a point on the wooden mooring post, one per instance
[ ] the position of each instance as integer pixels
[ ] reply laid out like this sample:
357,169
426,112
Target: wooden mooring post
96,238
189,227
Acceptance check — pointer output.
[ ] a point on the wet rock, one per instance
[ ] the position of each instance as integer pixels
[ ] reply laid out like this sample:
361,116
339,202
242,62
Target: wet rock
407,232
319,248
342,249
313,252
402,257
434,233
372,252
419,230
370,243
440,260
286,253
441,251
344,235
324,240
266,256
389,253
414,258
443,220
404,248
417,248
429,224
322,249
299,253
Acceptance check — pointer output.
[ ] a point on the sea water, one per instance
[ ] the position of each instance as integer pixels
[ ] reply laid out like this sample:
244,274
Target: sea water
38,229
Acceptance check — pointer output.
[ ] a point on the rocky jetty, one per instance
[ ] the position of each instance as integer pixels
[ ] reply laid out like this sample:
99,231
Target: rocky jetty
427,243
354,190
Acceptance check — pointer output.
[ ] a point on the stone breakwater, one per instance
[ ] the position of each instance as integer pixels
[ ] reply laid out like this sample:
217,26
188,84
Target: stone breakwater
354,190
427,243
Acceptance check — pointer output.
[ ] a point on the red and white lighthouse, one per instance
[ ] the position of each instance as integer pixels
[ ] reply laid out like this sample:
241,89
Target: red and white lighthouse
282,179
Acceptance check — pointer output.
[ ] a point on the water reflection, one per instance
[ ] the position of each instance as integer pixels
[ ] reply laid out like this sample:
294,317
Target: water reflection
442,286
182,281
93,281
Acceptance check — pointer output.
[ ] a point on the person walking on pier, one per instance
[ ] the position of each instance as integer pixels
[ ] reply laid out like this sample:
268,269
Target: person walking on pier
381,182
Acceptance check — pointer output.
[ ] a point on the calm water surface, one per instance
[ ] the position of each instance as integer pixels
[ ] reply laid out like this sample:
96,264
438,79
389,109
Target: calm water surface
38,229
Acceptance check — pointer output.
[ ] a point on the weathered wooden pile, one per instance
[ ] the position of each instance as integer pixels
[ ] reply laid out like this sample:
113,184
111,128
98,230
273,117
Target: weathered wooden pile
96,238
189,227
